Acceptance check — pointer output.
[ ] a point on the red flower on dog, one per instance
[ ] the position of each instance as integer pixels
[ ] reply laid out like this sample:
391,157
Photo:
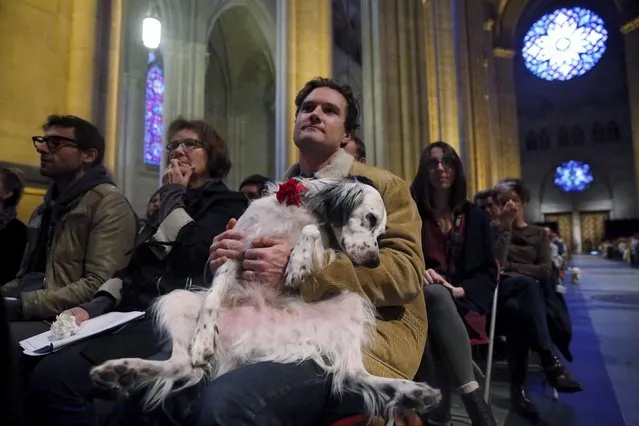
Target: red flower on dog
290,192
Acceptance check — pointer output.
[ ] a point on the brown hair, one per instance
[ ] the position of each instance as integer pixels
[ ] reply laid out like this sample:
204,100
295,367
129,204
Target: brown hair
218,161
421,189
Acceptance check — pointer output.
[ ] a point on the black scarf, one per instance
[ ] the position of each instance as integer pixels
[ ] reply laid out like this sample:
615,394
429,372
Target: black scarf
56,204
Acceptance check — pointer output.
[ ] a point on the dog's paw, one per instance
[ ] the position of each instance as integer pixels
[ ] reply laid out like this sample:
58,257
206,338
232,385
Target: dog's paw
414,397
300,263
202,348
120,374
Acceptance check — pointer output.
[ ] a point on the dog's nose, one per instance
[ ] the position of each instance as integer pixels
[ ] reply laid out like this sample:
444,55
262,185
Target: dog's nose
372,262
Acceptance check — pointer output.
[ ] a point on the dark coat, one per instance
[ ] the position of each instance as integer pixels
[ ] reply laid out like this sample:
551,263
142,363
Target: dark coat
13,241
476,267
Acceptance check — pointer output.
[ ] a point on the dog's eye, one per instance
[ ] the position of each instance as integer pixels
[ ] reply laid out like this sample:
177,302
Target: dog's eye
372,219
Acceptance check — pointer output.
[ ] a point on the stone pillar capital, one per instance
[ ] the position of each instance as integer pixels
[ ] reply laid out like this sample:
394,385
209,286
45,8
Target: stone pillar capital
630,26
503,53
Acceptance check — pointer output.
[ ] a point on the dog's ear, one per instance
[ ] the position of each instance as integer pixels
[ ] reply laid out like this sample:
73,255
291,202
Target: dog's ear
364,180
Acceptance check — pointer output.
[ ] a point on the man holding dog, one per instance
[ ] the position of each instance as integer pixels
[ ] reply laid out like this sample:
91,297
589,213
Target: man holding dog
268,393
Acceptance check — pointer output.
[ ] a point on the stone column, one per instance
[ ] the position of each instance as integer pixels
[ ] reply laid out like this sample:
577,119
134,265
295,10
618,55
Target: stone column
442,73
473,48
308,51
184,80
631,32
113,87
395,88
507,114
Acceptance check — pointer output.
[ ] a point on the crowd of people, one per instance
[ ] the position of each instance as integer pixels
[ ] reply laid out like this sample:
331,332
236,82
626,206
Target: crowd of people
85,252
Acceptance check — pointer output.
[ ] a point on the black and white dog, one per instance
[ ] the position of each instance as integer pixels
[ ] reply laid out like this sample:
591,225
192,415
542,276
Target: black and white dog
237,322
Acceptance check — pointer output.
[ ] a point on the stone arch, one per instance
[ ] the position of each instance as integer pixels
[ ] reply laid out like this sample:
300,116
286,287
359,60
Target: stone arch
240,84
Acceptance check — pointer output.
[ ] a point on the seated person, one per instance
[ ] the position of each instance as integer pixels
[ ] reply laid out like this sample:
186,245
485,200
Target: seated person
501,223
152,206
78,238
13,233
171,253
254,186
356,148
460,278
271,393
526,298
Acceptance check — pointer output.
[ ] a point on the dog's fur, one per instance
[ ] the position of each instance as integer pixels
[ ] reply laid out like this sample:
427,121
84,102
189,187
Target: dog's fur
238,322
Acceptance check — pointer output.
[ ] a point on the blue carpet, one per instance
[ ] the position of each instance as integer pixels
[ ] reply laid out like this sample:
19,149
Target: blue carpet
597,404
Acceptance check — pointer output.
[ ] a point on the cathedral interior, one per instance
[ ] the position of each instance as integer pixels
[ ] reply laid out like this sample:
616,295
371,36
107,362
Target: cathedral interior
543,90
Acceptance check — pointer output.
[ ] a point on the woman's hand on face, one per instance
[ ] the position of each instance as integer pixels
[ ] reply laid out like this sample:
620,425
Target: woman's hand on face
432,277
228,245
266,261
177,175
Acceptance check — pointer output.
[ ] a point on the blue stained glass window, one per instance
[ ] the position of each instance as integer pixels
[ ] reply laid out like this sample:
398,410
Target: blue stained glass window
564,44
573,176
153,110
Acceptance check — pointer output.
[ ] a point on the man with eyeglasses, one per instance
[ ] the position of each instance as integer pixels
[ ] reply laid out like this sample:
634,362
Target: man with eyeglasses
78,238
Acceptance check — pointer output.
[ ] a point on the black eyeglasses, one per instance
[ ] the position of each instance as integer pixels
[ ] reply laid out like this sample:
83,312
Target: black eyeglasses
433,163
187,144
53,142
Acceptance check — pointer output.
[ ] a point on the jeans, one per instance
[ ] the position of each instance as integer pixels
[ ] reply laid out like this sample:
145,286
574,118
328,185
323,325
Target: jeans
263,394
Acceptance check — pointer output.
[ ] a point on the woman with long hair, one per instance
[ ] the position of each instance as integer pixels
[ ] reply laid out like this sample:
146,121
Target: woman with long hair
460,278
536,316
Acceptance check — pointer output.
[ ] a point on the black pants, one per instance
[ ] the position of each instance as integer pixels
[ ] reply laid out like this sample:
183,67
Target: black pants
522,315
60,391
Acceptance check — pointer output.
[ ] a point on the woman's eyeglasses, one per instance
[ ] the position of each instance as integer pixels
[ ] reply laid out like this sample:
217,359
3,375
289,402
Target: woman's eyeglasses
187,144
433,163
53,143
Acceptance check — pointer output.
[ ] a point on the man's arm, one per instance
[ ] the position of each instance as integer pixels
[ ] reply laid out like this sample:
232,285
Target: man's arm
399,278
111,237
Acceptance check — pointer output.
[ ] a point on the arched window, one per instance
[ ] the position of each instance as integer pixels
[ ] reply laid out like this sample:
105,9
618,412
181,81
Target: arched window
531,141
612,132
154,110
577,136
598,133
563,136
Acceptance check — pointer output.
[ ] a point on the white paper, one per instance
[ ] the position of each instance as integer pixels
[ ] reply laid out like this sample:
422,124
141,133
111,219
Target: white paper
43,343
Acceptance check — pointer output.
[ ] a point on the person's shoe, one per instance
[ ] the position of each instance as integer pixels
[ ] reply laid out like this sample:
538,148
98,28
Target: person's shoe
522,403
479,412
559,377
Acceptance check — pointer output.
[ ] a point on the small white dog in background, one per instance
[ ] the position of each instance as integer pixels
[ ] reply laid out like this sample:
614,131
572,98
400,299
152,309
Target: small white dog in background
575,275
240,322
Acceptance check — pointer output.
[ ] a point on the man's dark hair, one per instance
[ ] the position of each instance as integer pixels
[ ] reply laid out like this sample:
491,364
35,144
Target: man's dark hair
11,182
259,180
87,136
351,123
421,189
516,185
219,160
359,145
484,195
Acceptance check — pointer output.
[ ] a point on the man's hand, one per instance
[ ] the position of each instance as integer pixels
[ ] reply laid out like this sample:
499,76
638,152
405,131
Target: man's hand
175,174
508,212
81,315
266,261
228,245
